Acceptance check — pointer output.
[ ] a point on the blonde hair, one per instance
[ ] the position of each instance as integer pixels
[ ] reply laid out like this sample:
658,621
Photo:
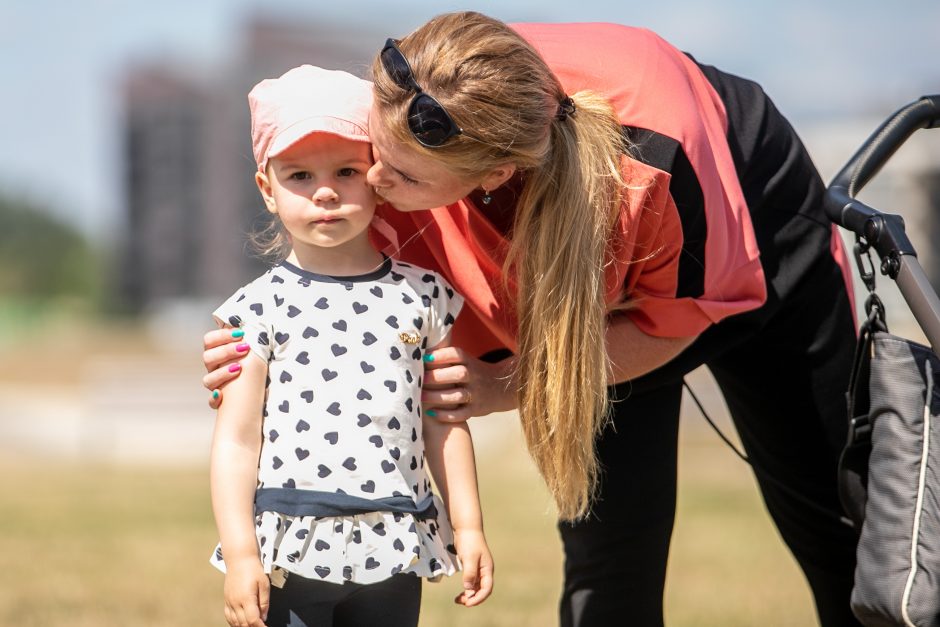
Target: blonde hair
268,238
505,97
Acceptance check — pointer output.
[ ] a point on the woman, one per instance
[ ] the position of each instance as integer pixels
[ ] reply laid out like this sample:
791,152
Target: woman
616,215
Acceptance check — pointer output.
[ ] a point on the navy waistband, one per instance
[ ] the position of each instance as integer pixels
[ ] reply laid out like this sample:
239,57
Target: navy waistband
296,502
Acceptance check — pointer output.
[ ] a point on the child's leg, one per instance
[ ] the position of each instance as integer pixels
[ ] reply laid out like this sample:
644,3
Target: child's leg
303,602
394,602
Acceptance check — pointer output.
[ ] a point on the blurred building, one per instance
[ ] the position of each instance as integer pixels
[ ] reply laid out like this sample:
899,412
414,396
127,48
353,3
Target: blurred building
190,198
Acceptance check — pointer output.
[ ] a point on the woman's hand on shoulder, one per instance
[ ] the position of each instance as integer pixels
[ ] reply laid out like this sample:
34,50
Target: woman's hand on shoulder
458,386
223,349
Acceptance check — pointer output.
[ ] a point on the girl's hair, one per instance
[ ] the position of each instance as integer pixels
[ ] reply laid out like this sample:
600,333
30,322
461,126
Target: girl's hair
269,239
503,94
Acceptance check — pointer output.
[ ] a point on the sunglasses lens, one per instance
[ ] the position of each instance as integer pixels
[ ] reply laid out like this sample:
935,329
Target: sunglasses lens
429,122
396,66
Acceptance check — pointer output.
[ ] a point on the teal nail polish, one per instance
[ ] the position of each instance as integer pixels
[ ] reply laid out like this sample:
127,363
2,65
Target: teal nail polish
431,413
237,333
428,357
215,394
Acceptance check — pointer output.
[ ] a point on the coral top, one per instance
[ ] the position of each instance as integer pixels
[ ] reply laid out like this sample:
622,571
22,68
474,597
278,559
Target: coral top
684,251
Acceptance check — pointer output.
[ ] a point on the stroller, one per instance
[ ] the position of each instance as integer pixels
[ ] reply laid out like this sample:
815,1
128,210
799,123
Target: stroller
889,476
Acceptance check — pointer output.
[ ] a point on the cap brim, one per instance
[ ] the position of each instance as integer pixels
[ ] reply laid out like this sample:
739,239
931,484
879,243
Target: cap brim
319,124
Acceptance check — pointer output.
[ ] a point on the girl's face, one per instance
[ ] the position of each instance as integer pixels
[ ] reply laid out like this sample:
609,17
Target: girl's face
408,180
318,189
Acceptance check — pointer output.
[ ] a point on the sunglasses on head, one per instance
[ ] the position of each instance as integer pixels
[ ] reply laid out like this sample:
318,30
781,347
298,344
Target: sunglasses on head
428,121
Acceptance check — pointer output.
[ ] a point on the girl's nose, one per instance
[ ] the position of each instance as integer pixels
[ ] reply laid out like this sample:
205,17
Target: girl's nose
325,194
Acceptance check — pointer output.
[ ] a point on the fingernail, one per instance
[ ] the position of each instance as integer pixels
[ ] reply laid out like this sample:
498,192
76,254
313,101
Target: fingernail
237,333
431,413
241,348
234,367
215,394
428,357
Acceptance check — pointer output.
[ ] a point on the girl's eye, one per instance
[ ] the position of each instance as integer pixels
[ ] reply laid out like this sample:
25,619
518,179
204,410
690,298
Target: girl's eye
348,172
300,176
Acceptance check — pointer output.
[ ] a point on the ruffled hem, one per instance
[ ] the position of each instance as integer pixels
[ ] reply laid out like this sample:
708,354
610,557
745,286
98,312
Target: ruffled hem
364,548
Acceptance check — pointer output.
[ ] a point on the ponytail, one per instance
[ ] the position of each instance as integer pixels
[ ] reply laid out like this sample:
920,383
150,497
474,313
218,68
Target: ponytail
563,223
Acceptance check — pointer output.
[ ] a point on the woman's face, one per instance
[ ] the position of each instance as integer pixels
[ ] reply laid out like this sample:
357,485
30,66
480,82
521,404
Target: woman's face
408,180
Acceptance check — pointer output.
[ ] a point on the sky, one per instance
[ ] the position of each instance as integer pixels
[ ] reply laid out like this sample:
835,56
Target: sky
61,63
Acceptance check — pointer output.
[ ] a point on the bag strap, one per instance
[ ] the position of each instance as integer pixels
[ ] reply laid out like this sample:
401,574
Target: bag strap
853,461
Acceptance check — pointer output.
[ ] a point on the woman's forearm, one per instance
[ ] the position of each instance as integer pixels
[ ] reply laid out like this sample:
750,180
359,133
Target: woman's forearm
632,353
449,453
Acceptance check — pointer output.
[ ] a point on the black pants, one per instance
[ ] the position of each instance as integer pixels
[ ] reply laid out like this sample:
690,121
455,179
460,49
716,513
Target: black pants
394,602
782,370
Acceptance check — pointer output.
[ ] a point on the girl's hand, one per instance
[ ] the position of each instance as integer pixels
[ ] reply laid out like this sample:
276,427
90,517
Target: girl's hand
247,593
477,564
223,349
458,385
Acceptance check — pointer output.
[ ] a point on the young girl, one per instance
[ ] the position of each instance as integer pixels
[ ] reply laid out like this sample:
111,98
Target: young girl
318,462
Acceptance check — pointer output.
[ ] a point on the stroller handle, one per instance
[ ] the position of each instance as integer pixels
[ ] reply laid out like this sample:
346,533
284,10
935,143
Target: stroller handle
882,231
841,206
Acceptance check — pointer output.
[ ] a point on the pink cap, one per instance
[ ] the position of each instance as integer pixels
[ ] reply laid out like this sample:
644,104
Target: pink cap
305,100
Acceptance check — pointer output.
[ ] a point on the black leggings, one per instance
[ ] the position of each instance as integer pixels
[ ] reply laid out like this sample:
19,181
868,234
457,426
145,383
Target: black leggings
394,602
782,370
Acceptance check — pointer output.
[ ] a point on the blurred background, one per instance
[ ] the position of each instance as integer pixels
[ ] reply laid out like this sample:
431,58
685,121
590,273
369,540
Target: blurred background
125,195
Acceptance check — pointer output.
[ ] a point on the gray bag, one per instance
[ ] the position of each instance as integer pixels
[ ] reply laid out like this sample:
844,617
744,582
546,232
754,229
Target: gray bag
897,580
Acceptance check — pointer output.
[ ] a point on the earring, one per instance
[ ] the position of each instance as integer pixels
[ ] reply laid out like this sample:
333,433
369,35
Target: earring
487,198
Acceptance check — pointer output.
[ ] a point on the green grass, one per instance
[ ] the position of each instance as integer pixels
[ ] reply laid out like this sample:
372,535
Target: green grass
112,546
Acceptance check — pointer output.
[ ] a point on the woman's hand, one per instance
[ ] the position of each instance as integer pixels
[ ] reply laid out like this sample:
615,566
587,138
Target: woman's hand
223,349
458,386
477,565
